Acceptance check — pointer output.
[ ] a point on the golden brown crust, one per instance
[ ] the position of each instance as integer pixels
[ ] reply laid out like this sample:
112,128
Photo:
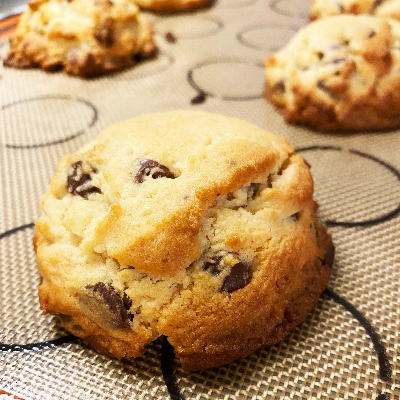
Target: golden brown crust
268,315
54,38
186,224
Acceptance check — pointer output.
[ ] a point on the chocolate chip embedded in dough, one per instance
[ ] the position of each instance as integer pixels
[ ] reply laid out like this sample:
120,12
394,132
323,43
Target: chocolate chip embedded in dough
321,84
252,190
238,277
104,305
152,168
279,87
295,217
375,5
213,265
104,33
79,182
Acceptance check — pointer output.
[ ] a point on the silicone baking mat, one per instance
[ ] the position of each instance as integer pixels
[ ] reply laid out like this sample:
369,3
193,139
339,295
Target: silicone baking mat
349,346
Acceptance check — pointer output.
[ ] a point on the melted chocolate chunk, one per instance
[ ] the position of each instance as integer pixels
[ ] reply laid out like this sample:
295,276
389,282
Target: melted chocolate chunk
79,182
238,275
338,60
279,86
321,84
252,190
295,217
154,169
104,34
237,278
213,265
375,5
114,308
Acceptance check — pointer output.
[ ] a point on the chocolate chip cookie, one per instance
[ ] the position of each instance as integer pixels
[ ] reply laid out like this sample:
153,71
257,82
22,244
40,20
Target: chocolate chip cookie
339,73
81,37
187,224
380,8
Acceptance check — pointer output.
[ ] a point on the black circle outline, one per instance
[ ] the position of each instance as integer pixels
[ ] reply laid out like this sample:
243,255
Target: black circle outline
214,31
47,97
221,61
48,344
246,4
370,222
167,355
385,369
273,7
241,40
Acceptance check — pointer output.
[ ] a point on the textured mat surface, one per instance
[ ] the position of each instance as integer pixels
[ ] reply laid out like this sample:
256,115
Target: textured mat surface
348,348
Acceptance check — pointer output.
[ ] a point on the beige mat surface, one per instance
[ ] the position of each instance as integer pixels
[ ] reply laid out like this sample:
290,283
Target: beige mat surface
348,348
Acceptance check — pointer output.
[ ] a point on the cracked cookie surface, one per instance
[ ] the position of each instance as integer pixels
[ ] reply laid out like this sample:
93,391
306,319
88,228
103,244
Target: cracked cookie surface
380,8
339,73
81,37
186,224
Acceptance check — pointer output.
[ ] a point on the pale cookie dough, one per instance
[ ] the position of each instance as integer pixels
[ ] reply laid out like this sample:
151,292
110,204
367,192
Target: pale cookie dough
82,37
379,8
186,224
173,6
340,73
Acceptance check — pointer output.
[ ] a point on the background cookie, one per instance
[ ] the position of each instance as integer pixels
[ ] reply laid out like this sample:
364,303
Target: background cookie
186,224
85,38
324,8
339,74
170,6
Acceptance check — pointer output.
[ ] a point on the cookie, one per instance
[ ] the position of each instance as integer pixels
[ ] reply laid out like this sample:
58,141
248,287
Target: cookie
381,8
339,73
186,224
81,37
173,6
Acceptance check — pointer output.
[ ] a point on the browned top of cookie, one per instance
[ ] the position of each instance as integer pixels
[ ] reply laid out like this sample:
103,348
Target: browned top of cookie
139,192
82,37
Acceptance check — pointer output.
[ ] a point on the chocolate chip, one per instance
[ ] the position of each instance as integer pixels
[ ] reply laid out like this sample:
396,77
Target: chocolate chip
371,34
252,190
104,34
237,278
340,8
152,168
321,84
200,98
375,5
279,87
79,182
213,265
338,60
320,55
329,256
104,302
170,37
295,217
